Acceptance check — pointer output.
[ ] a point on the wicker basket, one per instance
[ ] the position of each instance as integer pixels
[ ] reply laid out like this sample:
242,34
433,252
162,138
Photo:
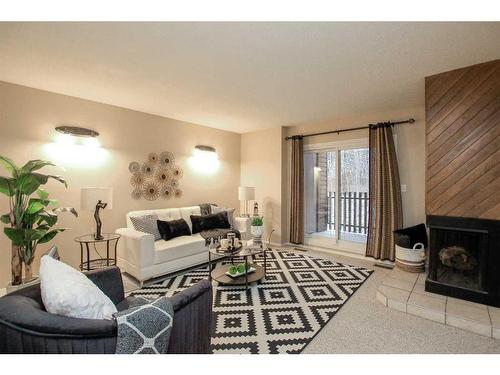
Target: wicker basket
411,260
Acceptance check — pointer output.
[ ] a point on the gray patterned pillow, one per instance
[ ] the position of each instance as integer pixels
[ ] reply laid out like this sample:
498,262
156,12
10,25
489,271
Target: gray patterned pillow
145,328
147,224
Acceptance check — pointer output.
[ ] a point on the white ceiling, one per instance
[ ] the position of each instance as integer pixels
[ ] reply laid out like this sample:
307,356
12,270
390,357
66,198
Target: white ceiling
242,76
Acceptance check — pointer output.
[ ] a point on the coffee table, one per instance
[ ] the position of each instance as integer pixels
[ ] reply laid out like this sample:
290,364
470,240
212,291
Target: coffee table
246,253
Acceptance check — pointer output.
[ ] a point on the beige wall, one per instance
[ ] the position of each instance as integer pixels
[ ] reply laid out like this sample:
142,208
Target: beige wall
410,144
265,163
27,121
28,117
261,167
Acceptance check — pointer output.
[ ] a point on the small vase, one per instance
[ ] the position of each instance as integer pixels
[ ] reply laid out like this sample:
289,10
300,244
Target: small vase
256,232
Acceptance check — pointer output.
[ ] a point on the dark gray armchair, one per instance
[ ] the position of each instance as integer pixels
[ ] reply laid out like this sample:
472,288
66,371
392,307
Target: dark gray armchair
25,326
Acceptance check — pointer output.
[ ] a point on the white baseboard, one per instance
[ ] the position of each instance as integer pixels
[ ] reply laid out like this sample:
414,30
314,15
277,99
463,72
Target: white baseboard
341,252
276,244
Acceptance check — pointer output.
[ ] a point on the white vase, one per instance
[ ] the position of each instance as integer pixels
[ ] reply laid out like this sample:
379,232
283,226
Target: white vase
256,234
256,230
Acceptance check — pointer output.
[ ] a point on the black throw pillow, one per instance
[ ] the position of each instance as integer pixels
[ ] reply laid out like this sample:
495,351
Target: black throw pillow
173,228
212,221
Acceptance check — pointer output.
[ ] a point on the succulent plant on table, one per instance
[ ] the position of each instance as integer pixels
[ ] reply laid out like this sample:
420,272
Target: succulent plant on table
233,270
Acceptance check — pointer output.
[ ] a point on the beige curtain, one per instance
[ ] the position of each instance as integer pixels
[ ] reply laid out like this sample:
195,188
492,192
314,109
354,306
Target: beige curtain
297,191
385,212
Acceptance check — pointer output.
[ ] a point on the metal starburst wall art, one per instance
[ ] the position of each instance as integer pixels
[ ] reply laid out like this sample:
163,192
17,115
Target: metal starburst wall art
156,177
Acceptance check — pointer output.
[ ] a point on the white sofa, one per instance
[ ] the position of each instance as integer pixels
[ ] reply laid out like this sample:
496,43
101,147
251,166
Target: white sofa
140,256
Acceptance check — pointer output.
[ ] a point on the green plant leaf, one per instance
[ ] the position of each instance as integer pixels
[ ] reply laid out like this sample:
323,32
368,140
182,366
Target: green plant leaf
257,222
45,178
34,206
33,234
44,227
30,220
7,186
9,166
47,217
5,219
34,165
29,183
65,209
15,235
42,194
50,235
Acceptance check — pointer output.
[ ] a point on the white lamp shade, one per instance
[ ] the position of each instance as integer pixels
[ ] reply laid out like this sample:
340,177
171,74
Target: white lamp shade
246,193
90,196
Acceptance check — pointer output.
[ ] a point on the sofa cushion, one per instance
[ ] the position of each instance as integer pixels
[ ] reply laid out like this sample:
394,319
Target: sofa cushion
208,222
162,213
167,214
173,228
230,213
186,213
206,208
178,247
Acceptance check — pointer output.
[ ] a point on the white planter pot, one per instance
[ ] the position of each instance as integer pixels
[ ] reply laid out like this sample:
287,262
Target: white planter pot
256,230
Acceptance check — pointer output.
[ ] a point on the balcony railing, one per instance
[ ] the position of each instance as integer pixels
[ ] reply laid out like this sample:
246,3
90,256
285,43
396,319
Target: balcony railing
353,213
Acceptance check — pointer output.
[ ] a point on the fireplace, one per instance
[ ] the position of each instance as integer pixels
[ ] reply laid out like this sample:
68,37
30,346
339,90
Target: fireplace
464,258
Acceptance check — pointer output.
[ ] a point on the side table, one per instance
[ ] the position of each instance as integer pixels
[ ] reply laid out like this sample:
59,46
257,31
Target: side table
111,240
243,224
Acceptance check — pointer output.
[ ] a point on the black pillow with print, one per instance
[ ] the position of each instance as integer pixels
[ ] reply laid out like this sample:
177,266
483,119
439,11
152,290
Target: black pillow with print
173,228
212,221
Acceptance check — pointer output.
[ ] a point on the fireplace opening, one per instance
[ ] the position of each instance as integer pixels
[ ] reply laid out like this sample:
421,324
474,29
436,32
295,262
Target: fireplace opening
464,258
461,258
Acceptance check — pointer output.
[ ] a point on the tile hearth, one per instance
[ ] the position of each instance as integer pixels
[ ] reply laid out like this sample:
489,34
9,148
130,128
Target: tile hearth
405,292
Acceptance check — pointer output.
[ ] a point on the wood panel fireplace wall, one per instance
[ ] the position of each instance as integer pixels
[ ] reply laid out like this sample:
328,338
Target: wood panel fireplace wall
463,182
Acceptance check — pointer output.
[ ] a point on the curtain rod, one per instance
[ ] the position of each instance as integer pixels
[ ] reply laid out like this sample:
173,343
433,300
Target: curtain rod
387,123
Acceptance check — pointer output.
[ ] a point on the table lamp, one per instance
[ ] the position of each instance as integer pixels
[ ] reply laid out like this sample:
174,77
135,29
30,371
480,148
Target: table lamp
246,193
95,199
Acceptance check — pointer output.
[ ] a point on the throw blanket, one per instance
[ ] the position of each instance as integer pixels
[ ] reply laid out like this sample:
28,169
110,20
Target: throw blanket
144,328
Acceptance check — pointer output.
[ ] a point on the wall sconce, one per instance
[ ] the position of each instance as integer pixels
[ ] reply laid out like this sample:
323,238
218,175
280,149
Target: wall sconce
205,159
76,146
76,131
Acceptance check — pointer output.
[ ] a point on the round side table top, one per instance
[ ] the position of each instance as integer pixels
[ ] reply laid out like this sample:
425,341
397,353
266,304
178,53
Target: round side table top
89,238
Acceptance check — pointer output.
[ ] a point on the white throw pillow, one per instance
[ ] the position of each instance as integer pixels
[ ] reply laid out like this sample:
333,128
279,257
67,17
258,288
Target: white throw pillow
230,213
66,291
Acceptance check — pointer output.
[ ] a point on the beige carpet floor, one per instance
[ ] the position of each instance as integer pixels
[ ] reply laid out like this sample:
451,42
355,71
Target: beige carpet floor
363,325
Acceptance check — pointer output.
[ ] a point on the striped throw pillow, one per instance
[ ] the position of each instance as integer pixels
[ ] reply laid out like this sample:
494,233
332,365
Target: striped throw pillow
147,224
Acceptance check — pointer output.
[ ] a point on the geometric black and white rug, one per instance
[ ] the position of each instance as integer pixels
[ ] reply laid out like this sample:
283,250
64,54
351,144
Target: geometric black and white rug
283,312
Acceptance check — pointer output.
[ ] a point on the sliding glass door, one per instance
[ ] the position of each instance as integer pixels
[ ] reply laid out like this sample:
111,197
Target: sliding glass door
336,195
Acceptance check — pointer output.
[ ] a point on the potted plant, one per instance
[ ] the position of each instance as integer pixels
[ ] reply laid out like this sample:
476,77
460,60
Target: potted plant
32,214
256,229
